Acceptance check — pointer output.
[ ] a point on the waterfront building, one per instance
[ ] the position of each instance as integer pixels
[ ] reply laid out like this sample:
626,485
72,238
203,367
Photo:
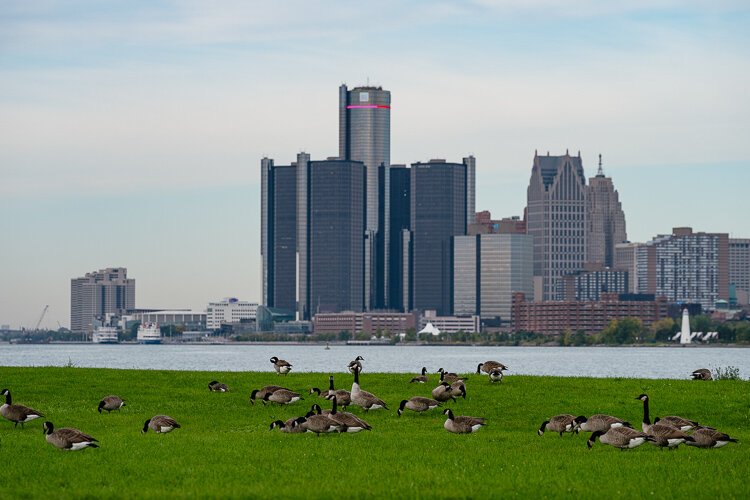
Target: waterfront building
685,267
626,259
557,219
555,317
171,317
279,234
438,212
606,220
98,293
365,136
739,269
591,283
450,324
385,322
229,310
487,270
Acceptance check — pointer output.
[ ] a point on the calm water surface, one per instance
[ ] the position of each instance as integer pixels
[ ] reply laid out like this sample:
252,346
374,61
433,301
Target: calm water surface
641,362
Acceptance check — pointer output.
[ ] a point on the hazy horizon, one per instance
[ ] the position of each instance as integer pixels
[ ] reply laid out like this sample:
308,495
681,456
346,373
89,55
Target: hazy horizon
131,133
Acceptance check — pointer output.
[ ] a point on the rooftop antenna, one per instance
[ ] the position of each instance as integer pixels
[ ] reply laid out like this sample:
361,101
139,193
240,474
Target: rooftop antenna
600,172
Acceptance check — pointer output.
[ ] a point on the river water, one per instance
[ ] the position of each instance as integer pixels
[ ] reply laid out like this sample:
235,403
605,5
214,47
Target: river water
639,362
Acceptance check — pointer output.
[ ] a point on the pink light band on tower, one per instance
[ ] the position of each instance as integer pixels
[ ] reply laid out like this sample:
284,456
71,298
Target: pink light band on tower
368,106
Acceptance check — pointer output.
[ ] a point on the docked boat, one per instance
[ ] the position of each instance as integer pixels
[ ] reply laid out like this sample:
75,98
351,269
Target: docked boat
105,335
149,333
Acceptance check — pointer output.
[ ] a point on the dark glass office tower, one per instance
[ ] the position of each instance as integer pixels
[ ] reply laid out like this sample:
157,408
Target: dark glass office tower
279,234
400,221
332,253
438,212
365,136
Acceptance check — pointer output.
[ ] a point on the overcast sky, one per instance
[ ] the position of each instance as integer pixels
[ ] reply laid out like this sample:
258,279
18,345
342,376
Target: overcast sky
131,132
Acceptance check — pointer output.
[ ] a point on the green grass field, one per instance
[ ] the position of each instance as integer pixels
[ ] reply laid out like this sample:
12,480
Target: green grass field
224,448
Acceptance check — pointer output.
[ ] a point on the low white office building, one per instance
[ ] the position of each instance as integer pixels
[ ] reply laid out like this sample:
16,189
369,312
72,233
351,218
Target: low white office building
229,310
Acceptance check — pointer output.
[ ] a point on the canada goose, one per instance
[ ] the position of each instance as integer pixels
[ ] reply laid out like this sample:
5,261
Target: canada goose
418,404
281,366
110,403
559,423
458,389
67,438
348,422
620,437
365,399
282,397
344,397
496,375
702,374
18,414
666,436
160,424
448,376
705,437
488,366
318,424
261,393
442,392
355,364
681,423
287,426
215,386
421,379
598,422
462,425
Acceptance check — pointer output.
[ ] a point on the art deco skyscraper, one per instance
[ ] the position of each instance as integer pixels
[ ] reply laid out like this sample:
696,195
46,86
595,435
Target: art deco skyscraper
365,136
606,219
557,219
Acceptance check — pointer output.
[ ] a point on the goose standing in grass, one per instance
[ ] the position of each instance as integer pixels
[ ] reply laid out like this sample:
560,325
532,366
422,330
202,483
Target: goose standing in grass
287,426
348,422
702,374
496,375
215,386
356,364
559,423
110,403
448,376
598,422
681,423
18,414
705,437
67,438
420,379
282,397
365,399
442,392
418,404
261,393
160,424
281,366
344,397
488,366
463,424
620,437
666,436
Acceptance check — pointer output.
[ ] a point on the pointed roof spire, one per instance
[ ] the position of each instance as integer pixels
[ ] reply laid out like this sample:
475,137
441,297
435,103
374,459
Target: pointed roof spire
600,172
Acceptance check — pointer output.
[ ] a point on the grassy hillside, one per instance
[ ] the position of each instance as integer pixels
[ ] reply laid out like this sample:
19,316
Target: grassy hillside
224,447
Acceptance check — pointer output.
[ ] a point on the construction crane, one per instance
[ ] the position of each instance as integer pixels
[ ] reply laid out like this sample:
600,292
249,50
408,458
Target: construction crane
41,317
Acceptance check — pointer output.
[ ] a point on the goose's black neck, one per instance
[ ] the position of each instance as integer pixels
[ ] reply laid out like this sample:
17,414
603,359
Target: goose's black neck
330,383
335,405
646,419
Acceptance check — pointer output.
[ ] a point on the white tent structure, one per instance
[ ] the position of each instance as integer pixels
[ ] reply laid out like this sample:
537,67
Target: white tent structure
429,328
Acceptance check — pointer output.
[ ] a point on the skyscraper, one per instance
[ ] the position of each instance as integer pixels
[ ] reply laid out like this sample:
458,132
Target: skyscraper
739,268
331,231
400,221
606,219
438,212
557,219
107,291
365,136
279,234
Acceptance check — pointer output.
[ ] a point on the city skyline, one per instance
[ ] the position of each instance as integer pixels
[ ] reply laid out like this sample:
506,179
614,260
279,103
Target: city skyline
138,144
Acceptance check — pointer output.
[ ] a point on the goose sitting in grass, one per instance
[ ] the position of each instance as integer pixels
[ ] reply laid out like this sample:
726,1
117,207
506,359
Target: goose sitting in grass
420,379
282,397
348,422
620,437
666,436
705,437
449,376
681,423
702,374
418,404
261,393
462,424
443,392
215,386
67,438
287,426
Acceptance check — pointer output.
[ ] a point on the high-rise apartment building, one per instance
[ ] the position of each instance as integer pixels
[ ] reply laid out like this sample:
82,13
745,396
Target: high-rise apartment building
330,238
626,259
739,268
685,267
365,136
487,270
438,212
107,291
606,224
590,284
557,218
279,234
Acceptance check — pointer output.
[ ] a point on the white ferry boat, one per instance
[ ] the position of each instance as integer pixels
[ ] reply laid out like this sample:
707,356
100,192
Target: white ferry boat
149,333
105,335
